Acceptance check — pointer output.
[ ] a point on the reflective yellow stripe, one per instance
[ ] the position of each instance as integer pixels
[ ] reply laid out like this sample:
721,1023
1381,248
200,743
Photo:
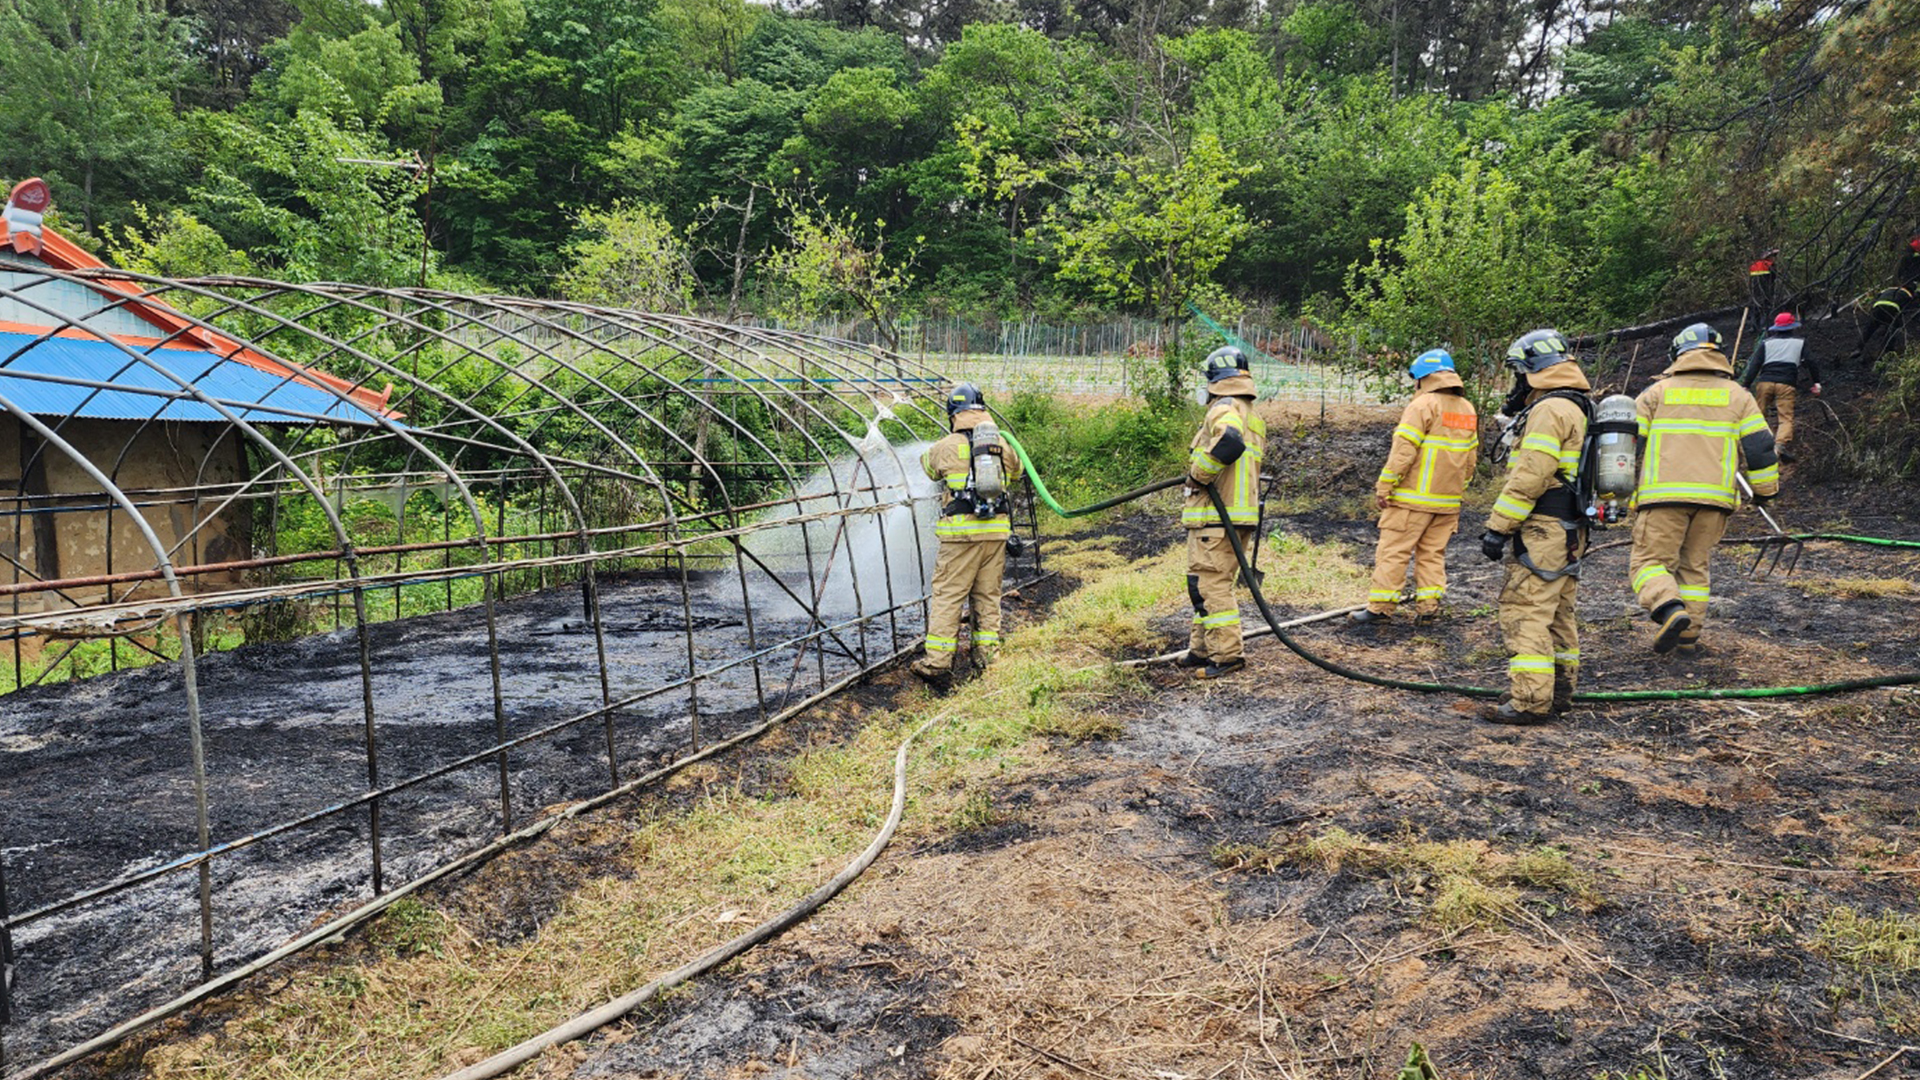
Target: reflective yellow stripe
956,481
1531,662
1410,433
1517,509
1753,425
986,637
1430,592
1224,618
1710,494
956,528
1387,477
1768,475
1425,500
1695,592
1648,573
1567,659
1696,395
1383,596
1542,442
941,644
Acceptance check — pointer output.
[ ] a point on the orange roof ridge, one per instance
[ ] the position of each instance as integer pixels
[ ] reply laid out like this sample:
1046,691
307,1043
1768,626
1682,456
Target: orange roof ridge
62,254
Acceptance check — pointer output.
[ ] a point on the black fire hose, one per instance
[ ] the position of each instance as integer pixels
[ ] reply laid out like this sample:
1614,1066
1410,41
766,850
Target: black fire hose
1246,572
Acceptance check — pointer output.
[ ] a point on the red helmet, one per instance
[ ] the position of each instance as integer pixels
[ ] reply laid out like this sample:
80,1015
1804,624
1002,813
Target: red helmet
1913,242
1784,322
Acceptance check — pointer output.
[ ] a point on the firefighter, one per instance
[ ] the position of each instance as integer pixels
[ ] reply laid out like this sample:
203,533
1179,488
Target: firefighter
1225,458
1889,314
1538,511
974,468
1776,363
1700,428
1435,447
1762,280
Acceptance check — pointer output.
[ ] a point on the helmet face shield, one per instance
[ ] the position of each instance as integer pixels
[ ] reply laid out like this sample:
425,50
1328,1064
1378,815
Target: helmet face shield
1536,350
963,397
1697,336
1225,362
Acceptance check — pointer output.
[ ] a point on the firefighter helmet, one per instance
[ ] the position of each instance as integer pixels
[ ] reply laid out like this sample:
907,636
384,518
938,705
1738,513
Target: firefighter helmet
1429,362
1697,336
1783,322
1225,362
964,396
1536,351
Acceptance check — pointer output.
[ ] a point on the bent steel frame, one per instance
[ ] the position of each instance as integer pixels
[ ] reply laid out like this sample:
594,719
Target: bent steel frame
599,534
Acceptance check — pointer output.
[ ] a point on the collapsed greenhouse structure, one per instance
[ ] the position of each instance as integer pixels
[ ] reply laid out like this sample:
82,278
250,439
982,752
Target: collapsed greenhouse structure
310,592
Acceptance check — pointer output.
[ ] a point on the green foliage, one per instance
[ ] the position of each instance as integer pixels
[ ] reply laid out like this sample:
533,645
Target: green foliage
85,91
835,265
1088,454
629,256
172,244
1477,264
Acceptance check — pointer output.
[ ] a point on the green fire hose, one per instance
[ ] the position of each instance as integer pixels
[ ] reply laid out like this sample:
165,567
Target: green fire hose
1273,621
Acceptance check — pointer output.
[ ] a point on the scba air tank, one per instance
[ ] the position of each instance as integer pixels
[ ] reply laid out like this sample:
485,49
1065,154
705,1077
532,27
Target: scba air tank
1616,465
989,480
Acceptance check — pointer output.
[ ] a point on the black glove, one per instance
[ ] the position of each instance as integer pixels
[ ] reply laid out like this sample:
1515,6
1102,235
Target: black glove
961,504
1761,500
1493,545
1015,546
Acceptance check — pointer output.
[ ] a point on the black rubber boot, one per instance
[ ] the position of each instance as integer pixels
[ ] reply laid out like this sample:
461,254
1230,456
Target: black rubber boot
1363,617
1505,713
1191,659
1562,695
1674,622
1222,669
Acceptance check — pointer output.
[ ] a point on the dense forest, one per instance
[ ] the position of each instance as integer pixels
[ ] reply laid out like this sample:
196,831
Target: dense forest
1413,170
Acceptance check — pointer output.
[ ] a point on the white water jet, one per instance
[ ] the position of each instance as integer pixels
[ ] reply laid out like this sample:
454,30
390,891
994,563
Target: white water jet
854,563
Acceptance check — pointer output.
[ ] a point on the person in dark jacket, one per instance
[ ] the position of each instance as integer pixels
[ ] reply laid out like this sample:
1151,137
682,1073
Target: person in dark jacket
1776,364
1888,314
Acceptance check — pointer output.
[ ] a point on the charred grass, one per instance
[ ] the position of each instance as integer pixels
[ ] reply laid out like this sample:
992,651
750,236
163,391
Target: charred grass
1277,875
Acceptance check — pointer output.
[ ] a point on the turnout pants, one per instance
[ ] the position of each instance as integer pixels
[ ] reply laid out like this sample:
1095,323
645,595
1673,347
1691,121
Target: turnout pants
965,570
1216,612
1780,397
1417,535
1671,547
1536,618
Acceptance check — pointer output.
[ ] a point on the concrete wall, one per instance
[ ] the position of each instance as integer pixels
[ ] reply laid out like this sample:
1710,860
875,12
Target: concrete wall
173,471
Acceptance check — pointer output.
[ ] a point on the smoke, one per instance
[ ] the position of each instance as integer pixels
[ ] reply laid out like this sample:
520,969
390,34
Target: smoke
856,563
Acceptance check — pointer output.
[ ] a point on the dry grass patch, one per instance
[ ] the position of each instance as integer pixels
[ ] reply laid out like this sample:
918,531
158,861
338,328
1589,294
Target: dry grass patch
1461,883
1860,588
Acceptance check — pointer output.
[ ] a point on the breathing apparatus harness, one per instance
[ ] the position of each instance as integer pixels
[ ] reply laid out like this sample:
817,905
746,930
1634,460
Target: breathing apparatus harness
985,495
1604,477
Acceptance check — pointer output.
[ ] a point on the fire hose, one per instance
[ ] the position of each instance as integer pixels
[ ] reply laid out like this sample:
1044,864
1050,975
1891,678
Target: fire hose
1332,667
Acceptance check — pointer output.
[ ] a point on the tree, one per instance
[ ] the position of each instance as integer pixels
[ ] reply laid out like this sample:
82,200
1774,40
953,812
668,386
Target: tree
86,97
1476,265
835,265
628,256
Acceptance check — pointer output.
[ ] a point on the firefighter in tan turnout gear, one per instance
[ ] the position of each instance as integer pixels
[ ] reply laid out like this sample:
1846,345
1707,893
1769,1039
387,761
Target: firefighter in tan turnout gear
1701,430
1225,458
1538,513
1435,447
975,468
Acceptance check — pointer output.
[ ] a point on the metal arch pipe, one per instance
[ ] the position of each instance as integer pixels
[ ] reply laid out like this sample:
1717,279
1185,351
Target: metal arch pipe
604,405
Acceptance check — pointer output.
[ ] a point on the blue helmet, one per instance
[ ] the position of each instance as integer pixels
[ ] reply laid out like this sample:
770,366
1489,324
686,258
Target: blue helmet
1536,351
1226,362
964,396
1697,336
1429,362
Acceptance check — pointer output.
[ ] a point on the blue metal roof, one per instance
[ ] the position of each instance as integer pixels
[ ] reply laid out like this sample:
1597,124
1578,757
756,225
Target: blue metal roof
65,376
